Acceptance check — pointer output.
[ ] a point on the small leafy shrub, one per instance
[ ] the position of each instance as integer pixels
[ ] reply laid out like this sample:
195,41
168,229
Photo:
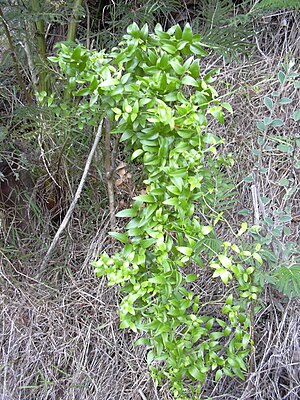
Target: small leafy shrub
152,89
281,143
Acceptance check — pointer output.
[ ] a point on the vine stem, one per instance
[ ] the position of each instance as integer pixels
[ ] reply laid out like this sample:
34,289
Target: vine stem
109,164
74,201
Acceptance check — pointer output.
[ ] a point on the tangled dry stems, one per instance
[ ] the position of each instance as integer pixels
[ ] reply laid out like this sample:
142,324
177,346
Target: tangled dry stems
60,337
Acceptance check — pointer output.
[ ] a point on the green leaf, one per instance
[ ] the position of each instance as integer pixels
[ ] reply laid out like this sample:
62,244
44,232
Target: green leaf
288,280
225,261
160,279
277,122
196,373
261,126
147,243
198,50
227,107
248,179
137,153
134,30
281,77
109,82
122,237
243,229
144,31
285,218
76,53
205,230
257,257
178,182
169,48
297,84
187,33
53,59
284,182
142,341
296,115
83,92
244,211
173,201
187,251
191,278
188,80
285,148
195,69
126,135
268,103
217,113
285,100
268,120
128,212
145,198
177,66
218,375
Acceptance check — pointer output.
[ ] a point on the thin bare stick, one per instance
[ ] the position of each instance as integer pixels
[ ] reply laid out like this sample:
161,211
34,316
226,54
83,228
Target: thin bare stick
255,204
74,202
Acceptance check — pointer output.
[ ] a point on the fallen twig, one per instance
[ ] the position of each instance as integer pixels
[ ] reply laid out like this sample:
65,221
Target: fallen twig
74,202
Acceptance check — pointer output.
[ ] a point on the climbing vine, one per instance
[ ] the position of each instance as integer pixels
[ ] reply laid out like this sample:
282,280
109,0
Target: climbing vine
152,89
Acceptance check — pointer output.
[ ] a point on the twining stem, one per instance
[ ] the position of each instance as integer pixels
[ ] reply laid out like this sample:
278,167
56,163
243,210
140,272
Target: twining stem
110,157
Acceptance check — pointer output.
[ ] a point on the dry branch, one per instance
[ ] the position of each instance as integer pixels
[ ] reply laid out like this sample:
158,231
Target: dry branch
74,202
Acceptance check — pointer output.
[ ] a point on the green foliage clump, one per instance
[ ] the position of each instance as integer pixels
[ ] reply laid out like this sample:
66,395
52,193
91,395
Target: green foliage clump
152,89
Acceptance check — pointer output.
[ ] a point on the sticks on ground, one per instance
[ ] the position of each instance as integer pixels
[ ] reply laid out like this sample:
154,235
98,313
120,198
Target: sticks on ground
74,202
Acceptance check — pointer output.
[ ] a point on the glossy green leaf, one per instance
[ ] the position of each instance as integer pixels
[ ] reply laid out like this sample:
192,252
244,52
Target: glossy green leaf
128,212
190,81
191,278
196,373
122,237
177,66
187,33
108,83
205,230
145,198
137,153
169,48
227,107
198,50
187,251
173,201
76,53
217,113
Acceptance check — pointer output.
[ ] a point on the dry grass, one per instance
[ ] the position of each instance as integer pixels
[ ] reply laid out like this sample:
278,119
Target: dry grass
60,338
